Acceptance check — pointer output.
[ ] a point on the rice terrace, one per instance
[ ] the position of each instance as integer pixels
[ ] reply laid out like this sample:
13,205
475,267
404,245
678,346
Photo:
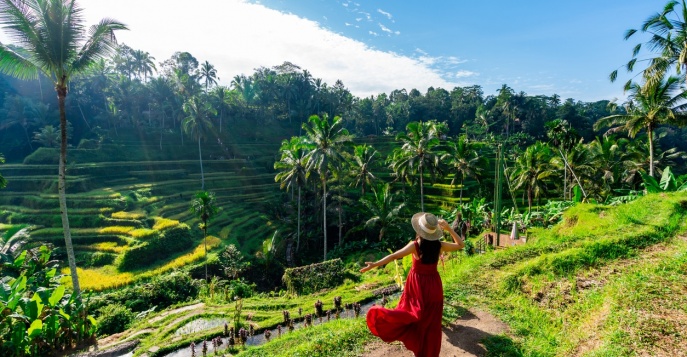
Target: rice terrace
247,192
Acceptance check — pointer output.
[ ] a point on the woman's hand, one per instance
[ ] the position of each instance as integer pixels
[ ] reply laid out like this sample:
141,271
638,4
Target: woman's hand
369,266
443,224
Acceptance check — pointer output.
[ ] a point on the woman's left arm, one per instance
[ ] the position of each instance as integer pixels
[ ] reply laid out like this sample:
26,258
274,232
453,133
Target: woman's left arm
408,249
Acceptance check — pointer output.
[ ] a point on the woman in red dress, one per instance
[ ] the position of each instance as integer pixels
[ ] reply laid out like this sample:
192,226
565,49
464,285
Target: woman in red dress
416,321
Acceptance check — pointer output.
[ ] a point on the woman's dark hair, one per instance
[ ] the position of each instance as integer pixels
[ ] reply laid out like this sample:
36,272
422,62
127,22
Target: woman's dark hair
429,251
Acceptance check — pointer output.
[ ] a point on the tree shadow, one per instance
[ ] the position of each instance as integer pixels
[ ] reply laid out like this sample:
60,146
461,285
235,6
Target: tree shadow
479,342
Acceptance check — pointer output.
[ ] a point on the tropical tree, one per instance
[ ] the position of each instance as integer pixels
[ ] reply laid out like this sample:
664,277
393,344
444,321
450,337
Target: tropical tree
667,42
3,182
48,136
416,154
327,139
221,98
464,160
292,171
656,102
362,161
204,207
197,124
208,73
143,63
54,39
531,170
384,207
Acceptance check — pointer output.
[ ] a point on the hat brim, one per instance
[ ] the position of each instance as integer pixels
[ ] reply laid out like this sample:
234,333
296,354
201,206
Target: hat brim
415,221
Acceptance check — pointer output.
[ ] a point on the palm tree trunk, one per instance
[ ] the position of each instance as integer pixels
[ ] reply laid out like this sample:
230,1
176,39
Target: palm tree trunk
61,188
529,200
650,133
422,192
202,175
324,213
298,234
462,179
205,241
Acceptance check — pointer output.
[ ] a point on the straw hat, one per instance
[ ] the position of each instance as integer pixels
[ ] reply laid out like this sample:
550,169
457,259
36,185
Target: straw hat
426,225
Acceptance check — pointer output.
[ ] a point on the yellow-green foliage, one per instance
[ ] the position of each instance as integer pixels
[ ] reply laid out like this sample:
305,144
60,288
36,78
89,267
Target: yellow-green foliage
108,277
116,230
111,247
164,223
141,233
128,215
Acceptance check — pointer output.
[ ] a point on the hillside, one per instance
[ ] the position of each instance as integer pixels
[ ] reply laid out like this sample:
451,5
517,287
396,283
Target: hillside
606,281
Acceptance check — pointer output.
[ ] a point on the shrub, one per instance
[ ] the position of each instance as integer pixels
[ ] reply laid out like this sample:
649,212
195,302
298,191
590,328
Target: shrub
114,318
314,277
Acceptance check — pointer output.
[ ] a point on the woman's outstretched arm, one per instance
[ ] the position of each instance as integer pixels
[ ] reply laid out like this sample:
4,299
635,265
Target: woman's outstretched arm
457,242
408,249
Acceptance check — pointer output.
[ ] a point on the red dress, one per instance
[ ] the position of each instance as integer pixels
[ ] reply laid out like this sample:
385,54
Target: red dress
416,321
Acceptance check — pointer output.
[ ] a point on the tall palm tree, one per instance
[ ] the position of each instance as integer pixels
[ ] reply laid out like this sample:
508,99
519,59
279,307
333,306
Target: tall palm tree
221,97
656,102
293,172
363,159
531,170
208,73
203,206
327,139
143,63
3,182
464,160
197,124
53,35
385,209
667,42
416,154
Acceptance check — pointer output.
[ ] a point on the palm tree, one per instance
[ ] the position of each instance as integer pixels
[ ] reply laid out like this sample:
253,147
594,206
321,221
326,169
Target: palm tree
530,171
3,182
203,206
197,124
464,160
416,154
363,159
384,208
221,97
668,40
143,63
209,74
293,171
326,139
655,103
52,34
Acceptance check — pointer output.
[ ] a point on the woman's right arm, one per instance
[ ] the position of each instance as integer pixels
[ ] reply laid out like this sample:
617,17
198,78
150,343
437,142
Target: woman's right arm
457,242
408,249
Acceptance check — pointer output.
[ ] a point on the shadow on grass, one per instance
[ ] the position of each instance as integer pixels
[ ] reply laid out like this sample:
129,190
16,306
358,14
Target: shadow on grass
478,342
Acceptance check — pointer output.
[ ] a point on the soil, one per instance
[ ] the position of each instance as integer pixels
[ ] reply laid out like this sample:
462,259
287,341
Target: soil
461,338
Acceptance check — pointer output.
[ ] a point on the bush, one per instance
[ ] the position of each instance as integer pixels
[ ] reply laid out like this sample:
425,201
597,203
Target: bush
114,318
314,277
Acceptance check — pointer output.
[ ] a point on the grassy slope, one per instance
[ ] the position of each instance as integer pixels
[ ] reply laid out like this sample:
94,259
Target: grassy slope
607,281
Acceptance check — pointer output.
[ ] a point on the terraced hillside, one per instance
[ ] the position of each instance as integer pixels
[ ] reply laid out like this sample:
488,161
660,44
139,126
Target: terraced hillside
121,207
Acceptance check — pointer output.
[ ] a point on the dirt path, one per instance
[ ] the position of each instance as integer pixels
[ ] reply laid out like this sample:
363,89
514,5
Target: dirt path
461,338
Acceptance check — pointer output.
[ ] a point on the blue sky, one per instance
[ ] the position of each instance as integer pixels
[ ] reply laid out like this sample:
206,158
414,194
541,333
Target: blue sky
539,47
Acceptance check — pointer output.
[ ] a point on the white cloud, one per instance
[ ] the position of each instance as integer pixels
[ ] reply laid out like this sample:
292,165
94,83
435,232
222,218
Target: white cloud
388,15
238,37
385,29
465,73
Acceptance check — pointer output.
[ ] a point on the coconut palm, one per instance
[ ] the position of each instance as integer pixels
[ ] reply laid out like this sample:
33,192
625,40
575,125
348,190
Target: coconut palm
362,161
143,63
464,160
667,42
385,209
197,124
56,43
3,182
531,170
416,154
327,139
221,98
293,171
656,102
208,73
203,206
